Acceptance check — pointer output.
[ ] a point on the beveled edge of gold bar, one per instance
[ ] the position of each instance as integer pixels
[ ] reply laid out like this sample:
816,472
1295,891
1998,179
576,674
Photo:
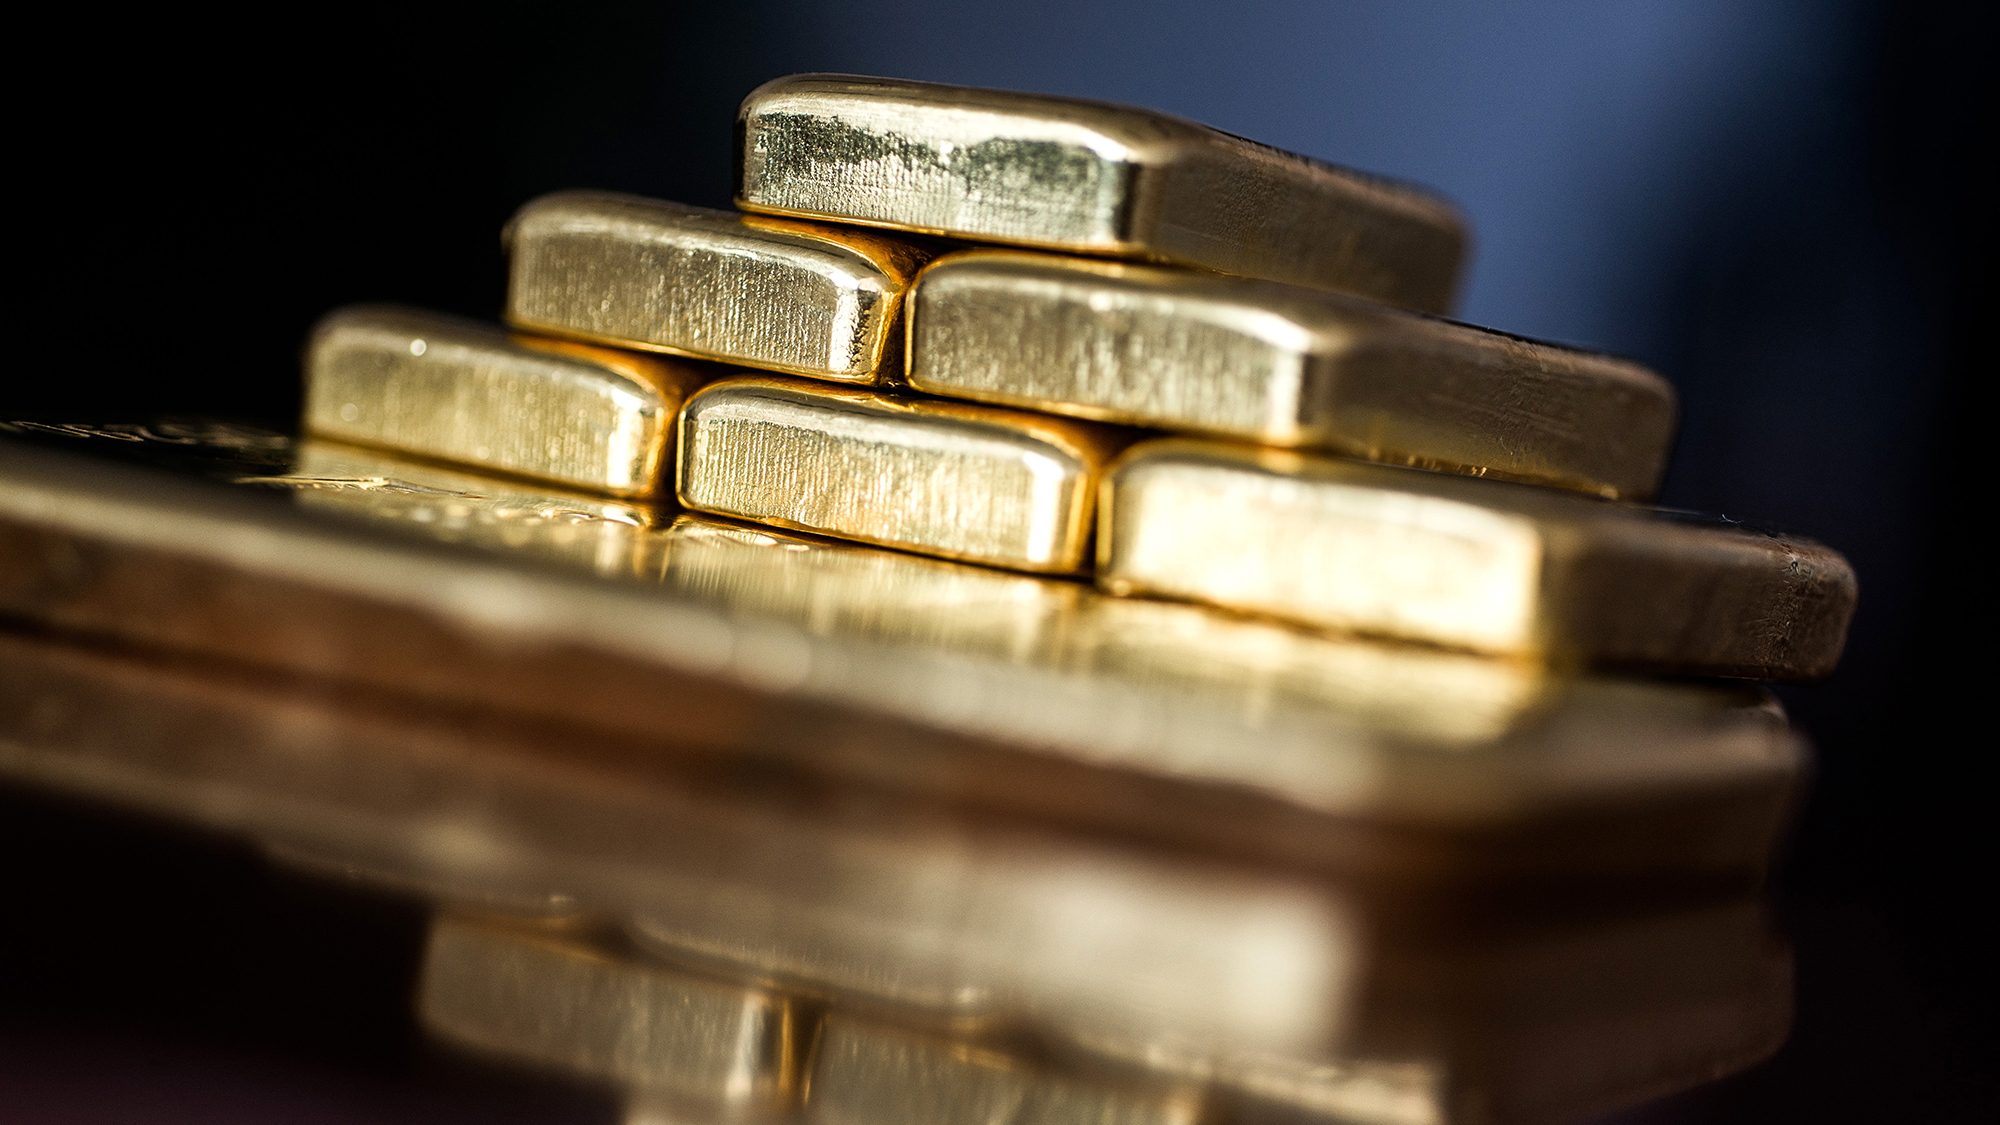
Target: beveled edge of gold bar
1575,581
1422,391
869,271
1076,449
1179,195
492,428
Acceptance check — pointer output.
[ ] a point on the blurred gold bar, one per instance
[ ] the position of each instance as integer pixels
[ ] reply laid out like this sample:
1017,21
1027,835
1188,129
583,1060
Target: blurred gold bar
611,537
1479,565
786,296
457,391
1284,366
966,482
549,999
1087,177
867,1074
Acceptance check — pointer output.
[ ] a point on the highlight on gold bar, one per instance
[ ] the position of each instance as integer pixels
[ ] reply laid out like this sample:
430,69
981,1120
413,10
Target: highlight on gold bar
551,999
457,391
967,482
865,1073
1479,565
611,537
801,298
1088,177
1285,366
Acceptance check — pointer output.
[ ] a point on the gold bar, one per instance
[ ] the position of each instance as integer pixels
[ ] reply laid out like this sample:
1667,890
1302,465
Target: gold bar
1592,778
541,997
966,482
1479,565
458,391
847,590
1090,178
800,298
1284,366
867,1074
610,537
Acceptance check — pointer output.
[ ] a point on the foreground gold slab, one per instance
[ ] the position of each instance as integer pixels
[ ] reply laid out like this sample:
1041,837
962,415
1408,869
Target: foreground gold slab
1298,992
966,482
785,296
1281,365
1086,177
1235,723
458,391
1479,565
548,999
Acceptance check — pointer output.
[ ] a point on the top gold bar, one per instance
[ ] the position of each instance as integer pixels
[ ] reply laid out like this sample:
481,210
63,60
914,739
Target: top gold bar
1090,178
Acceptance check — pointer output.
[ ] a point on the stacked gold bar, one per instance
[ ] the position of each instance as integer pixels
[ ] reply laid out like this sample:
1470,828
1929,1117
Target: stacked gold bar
1187,405
1179,400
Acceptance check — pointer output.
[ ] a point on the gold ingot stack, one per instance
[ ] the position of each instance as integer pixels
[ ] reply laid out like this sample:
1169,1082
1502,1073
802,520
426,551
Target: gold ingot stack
1195,394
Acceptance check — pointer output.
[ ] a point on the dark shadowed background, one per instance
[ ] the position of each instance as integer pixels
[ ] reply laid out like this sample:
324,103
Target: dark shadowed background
1775,205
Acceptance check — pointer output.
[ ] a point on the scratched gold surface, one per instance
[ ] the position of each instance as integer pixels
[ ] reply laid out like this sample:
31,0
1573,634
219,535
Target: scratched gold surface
802,298
458,391
1478,565
552,1000
1087,177
1281,365
966,482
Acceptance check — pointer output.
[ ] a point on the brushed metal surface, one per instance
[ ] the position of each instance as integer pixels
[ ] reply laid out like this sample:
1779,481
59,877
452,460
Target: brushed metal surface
976,483
1479,565
802,298
459,391
1087,177
1281,365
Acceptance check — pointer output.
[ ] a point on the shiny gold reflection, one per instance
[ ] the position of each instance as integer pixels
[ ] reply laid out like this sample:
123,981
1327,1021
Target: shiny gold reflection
1285,991
551,1000
867,1074
463,392
613,538
1281,365
1087,177
1558,1023
1261,675
785,296
965,482
849,590
1477,565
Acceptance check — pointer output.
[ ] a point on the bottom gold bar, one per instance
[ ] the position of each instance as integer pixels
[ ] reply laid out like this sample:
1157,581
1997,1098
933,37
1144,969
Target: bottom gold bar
1480,565
966,482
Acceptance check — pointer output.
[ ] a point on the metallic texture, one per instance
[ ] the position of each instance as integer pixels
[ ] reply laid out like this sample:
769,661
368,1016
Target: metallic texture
545,998
1285,366
1313,752
965,482
457,391
1196,964
1087,177
1479,565
606,536
786,296
867,1074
